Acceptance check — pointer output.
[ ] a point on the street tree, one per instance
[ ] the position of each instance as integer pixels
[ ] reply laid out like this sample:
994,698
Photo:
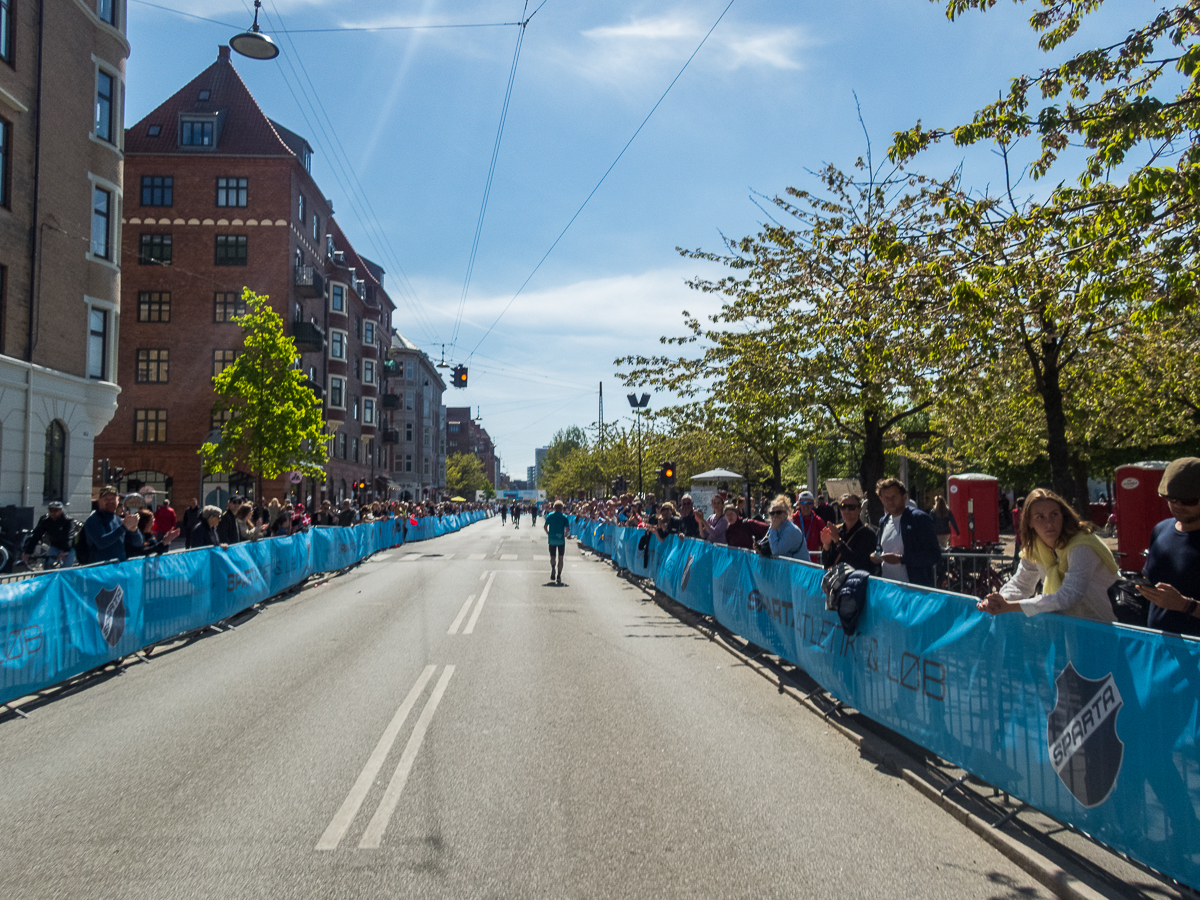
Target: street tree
465,475
271,418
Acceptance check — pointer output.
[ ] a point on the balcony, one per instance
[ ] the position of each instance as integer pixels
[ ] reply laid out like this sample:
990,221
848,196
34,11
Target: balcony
390,401
308,337
391,436
309,282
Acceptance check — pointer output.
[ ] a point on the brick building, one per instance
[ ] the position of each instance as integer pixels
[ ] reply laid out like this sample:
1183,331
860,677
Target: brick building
223,197
465,435
62,75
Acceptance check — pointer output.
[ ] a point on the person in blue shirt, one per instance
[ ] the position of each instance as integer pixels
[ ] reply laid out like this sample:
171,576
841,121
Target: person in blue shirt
557,526
784,538
105,532
1173,560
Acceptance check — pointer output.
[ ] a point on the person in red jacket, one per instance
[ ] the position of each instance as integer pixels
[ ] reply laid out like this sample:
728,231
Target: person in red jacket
164,521
806,519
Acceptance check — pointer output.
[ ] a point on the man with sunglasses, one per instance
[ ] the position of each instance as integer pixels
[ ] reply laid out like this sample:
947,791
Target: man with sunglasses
1173,560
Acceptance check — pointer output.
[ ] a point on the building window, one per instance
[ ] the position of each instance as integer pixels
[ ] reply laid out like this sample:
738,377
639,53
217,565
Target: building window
152,366
5,162
426,463
300,207
427,436
354,448
337,344
6,31
158,190
97,361
231,250
337,298
368,371
355,406
196,133
408,399
407,462
342,452
316,227
368,412
357,327
222,360
150,426
107,11
154,306
369,333
408,431
408,372
217,421
104,106
154,250
227,305
337,387
452,428
54,474
233,191
101,213
357,368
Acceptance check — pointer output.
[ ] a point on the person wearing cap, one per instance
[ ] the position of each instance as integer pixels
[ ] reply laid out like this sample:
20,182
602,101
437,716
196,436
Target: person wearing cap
54,530
810,524
1173,560
105,531
227,528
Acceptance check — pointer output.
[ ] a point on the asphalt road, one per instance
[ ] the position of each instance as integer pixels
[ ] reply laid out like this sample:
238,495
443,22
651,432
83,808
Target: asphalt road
383,735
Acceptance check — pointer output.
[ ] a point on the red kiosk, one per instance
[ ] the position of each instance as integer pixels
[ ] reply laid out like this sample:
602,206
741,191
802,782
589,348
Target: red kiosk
1138,509
974,499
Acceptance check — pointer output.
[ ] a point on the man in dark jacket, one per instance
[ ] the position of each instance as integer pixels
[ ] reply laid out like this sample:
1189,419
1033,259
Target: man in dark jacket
191,518
227,529
345,516
105,532
54,530
907,548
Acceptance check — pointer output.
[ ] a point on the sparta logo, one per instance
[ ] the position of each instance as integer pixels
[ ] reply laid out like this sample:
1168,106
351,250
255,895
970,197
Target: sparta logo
110,613
687,573
1081,735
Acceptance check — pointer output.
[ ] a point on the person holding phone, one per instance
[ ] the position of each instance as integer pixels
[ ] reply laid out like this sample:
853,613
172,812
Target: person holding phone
690,517
1075,567
1172,569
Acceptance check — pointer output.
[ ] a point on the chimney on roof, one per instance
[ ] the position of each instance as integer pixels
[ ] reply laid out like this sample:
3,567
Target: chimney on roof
223,52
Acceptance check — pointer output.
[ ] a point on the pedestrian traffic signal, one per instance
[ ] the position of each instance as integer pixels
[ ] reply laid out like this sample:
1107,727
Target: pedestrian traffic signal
460,376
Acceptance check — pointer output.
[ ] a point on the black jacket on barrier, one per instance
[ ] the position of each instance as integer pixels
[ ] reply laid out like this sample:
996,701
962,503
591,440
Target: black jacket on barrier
922,552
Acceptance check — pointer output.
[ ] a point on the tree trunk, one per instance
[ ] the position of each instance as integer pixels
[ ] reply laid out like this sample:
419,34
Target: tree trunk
776,471
1080,471
871,466
1057,448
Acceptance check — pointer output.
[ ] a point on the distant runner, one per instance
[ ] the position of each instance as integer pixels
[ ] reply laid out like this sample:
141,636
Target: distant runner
503,515
533,512
557,525
516,511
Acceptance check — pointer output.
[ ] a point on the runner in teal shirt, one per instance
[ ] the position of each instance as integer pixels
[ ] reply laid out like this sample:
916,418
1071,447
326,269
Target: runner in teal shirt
557,526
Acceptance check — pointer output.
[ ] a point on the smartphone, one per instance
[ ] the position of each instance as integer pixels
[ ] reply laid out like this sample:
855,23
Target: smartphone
1134,580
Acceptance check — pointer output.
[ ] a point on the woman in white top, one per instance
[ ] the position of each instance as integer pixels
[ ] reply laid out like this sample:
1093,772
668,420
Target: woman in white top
1075,567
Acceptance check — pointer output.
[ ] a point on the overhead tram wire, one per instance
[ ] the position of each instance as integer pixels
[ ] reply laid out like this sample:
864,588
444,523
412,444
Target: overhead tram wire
361,201
347,28
512,74
703,41
487,189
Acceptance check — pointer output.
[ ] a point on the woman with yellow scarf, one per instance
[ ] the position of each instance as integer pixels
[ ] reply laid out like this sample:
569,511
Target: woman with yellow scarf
1075,567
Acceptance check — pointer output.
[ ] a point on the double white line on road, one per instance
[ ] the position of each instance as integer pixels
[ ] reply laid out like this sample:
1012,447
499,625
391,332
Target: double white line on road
462,613
344,817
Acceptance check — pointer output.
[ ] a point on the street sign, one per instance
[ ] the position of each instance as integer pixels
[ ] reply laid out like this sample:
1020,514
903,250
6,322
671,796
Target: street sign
295,477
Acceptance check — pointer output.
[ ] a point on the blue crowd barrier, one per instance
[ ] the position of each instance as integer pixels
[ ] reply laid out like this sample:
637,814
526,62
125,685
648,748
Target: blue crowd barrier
1094,724
68,621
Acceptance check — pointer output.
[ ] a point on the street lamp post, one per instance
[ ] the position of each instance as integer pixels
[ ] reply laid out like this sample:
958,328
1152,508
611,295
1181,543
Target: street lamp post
638,404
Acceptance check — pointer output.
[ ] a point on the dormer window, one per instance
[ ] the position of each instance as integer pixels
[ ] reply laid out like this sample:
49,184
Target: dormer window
204,95
154,130
197,132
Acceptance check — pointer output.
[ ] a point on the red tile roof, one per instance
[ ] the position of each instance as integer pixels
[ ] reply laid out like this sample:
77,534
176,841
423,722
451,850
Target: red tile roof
244,129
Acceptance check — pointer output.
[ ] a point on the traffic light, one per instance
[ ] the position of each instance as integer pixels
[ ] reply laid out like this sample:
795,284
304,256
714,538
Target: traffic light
460,377
666,473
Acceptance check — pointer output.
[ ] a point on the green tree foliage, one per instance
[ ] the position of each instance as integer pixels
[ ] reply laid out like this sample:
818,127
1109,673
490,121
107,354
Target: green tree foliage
565,440
464,475
274,420
830,323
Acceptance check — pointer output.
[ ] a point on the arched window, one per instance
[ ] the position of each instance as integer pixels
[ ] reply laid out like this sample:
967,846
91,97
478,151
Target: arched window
55,472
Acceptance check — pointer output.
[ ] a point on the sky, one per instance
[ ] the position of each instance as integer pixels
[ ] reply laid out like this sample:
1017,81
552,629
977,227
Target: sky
404,124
